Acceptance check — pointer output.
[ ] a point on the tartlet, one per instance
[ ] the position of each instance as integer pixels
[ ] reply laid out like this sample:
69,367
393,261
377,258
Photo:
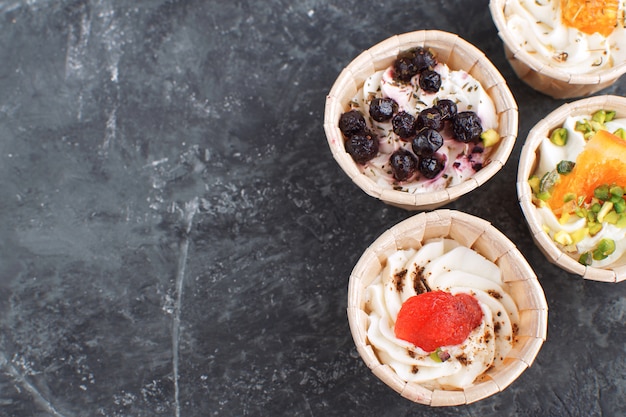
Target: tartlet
529,160
520,281
544,73
457,54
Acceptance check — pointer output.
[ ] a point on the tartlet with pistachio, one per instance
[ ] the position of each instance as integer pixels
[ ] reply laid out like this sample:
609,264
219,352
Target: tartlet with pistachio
579,187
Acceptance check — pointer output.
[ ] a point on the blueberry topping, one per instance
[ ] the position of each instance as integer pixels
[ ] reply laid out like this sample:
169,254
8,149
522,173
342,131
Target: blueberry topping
430,81
362,147
423,59
431,166
403,164
477,166
352,122
466,127
412,62
382,109
404,66
403,124
427,142
447,108
429,118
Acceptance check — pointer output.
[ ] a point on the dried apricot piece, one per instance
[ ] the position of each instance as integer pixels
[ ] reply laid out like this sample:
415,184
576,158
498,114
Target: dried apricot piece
603,161
590,16
437,318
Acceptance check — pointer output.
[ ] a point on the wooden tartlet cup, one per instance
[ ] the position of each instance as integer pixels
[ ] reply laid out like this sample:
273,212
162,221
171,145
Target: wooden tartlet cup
458,54
520,282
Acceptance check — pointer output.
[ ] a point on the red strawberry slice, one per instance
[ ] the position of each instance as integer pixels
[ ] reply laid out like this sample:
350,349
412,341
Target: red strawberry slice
437,318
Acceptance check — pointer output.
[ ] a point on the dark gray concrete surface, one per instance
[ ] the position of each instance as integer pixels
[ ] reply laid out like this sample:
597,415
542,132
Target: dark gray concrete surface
176,238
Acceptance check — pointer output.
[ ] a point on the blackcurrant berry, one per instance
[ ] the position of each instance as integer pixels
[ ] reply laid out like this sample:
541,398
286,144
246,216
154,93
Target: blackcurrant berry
447,108
427,142
403,164
362,147
431,166
430,81
423,59
403,124
404,66
466,127
383,109
429,118
352,122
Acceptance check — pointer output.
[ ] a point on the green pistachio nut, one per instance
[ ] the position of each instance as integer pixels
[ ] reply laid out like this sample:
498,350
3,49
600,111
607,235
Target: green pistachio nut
559,136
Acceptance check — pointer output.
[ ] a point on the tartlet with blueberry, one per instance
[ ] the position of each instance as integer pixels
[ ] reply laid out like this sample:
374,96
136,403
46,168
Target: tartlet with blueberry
420,119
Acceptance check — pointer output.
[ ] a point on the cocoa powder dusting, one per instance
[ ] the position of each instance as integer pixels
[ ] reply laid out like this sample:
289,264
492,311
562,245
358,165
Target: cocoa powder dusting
496,327
419,281
462,359
398,279
494,294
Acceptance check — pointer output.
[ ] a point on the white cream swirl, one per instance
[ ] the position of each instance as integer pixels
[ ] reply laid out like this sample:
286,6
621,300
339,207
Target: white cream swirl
549,156
460,160
441,264
539,29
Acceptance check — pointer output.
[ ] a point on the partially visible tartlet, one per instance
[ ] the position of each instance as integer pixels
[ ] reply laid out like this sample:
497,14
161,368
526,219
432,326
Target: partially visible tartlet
571,186
563,48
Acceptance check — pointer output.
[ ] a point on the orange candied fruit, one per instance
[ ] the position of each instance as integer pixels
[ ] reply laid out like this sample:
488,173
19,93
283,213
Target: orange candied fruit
590,16
603,161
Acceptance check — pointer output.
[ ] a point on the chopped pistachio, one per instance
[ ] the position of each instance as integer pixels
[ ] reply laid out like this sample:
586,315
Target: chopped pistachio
591,216
586,258
582,126
611,217
579,235
439,355
563,238
605,248
548,180
616,190
559,136
620,133
565,167
580,212
490,137
534,183
606,207
564,218
599,116
595,208
602,192
594,228
620,205
543,195
610,115
621,222
569,197
595,126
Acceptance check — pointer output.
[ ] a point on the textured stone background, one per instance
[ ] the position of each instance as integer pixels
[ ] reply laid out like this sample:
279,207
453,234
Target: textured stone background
176,238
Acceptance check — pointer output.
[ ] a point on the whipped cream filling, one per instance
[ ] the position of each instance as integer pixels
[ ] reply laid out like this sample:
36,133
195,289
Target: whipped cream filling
462,160
549,156
539,29
441,264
